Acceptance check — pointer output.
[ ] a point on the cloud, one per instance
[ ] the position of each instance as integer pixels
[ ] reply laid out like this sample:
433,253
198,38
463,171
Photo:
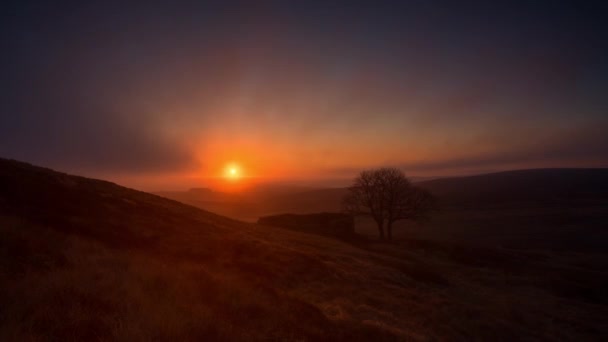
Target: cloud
574,146
60,117
89,139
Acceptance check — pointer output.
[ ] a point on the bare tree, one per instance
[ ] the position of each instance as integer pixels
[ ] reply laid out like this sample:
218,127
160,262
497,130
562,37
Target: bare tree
388,196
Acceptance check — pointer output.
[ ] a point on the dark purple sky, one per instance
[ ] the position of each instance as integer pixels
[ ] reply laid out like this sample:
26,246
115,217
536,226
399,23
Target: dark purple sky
167,94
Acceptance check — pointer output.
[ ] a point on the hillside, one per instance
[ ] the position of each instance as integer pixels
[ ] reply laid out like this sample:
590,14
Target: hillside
523,186
84,259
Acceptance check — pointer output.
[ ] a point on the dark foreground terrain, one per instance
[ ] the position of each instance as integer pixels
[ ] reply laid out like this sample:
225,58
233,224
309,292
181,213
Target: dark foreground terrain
83,259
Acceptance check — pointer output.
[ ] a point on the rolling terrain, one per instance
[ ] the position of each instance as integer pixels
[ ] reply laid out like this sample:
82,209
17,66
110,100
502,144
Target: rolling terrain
84,259
522,186
558,209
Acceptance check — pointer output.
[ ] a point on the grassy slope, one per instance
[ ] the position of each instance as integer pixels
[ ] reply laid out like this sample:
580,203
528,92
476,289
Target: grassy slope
86,259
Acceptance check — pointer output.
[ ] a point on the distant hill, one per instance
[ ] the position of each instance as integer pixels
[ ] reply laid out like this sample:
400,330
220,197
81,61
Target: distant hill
508,186
86,260
522,186
558,186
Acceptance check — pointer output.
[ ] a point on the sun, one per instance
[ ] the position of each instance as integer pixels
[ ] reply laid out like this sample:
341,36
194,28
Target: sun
232,172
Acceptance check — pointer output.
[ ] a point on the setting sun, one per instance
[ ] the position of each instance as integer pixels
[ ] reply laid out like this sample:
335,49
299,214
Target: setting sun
232,172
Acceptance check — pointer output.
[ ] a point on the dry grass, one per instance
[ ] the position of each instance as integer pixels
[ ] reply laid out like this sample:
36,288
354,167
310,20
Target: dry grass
124,265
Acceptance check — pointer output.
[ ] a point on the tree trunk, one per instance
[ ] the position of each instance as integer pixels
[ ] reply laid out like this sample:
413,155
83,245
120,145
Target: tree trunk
389,230
380,224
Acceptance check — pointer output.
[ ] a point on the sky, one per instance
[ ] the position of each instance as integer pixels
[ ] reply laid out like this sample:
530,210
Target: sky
167,95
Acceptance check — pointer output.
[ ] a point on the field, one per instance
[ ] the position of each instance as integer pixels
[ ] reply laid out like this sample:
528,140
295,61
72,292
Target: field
82,259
